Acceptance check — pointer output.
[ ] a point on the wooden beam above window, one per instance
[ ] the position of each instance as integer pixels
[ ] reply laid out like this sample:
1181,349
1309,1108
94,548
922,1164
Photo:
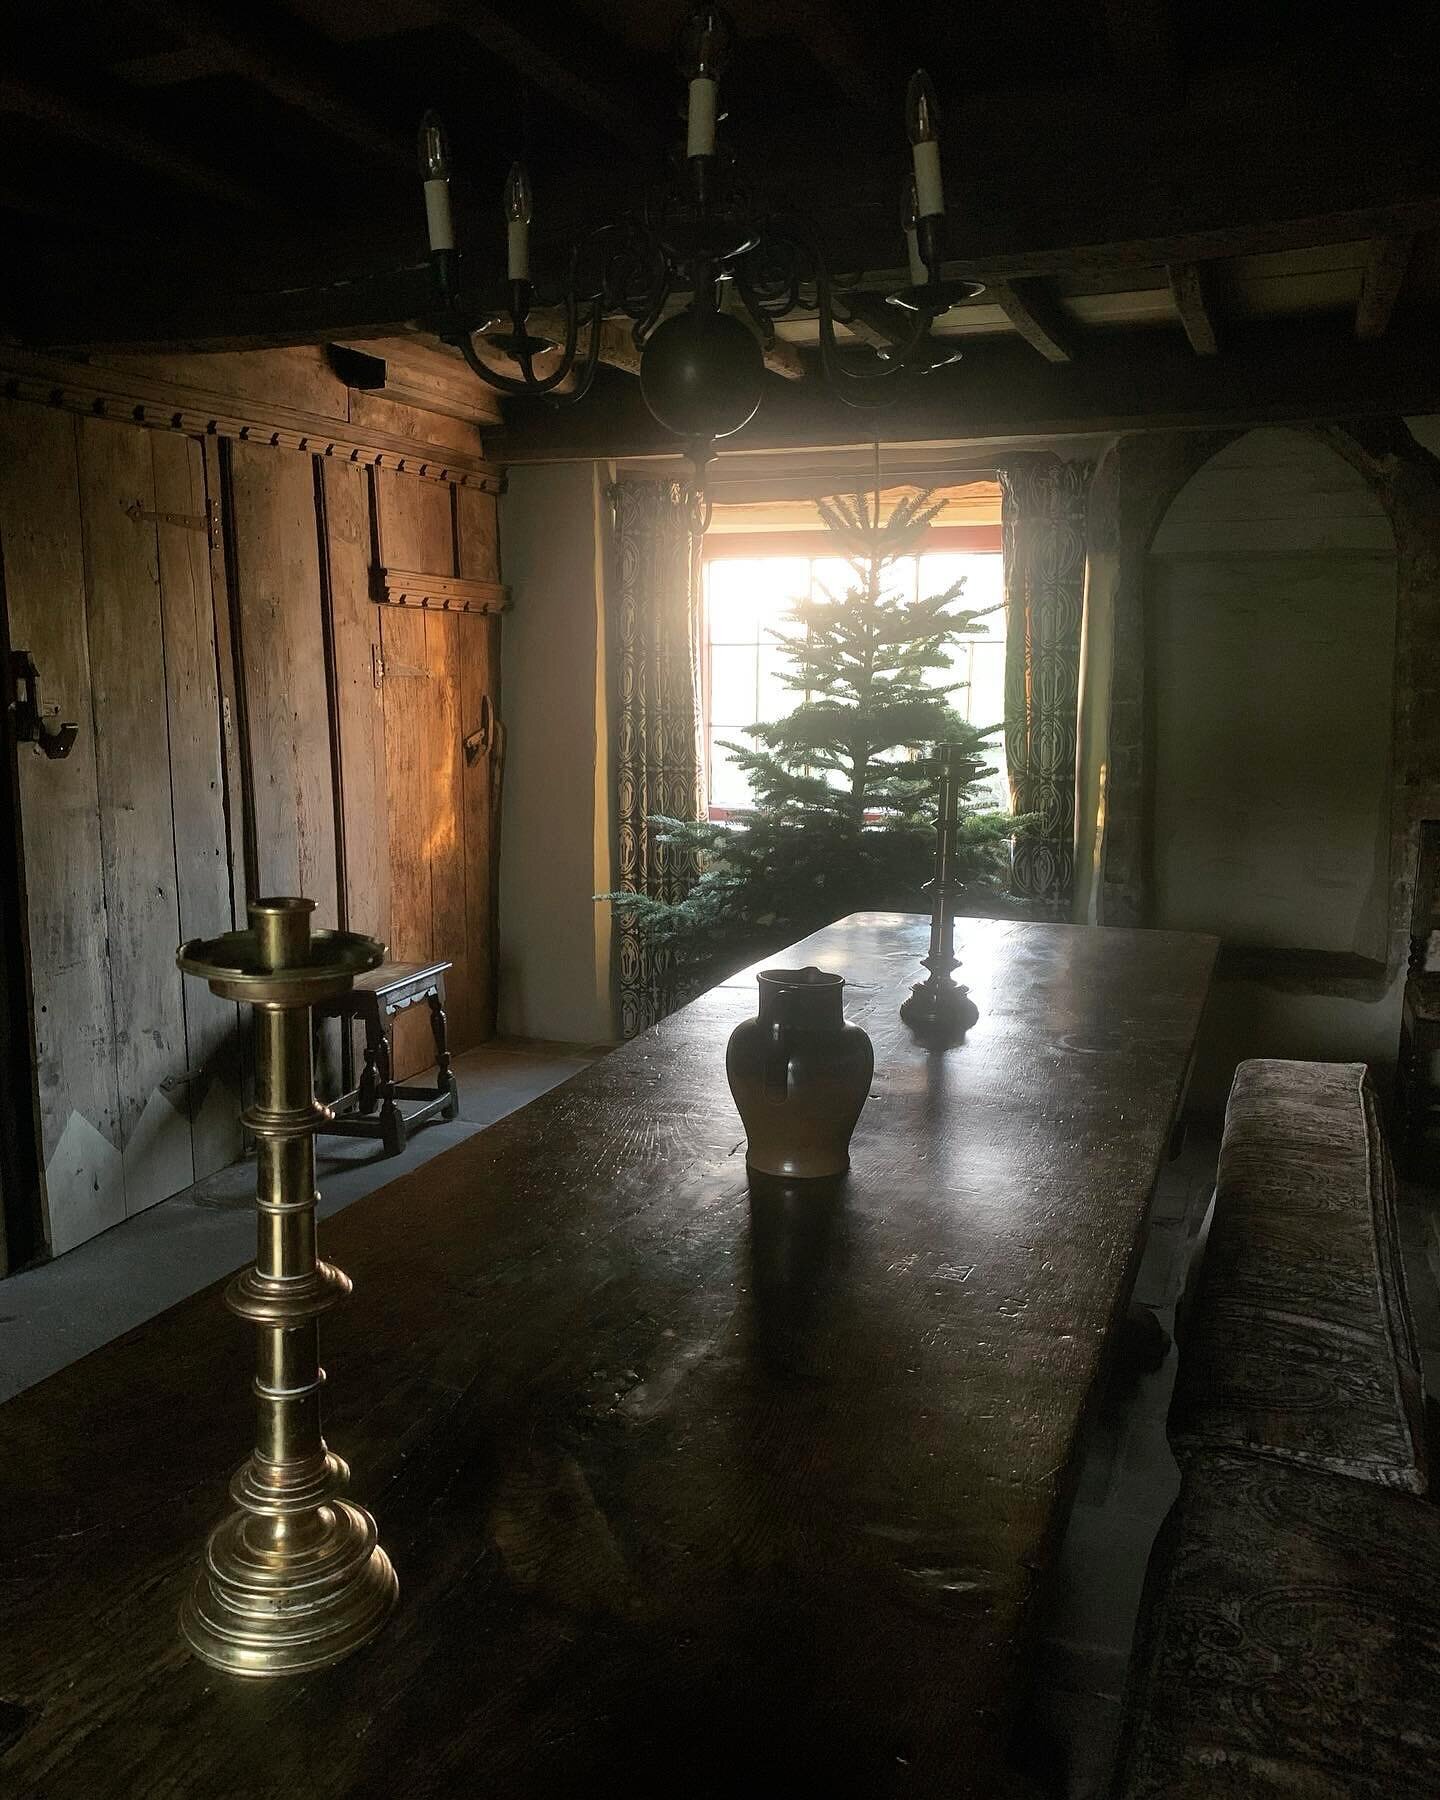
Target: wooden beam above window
1288,371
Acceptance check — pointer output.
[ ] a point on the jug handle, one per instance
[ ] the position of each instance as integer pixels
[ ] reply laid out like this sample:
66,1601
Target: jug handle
777,1063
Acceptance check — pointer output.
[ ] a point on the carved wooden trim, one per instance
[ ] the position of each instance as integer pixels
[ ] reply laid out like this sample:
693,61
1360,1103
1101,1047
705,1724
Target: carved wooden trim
442,593
139,400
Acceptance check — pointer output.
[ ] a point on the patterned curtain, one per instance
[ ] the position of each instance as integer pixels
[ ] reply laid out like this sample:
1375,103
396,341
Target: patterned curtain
1043,536
657,624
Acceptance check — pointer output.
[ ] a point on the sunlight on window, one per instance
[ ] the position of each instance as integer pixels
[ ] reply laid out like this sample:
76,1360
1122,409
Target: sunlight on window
746,600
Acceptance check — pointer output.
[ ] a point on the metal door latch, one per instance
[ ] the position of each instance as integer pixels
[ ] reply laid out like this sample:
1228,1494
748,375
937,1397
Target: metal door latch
33,725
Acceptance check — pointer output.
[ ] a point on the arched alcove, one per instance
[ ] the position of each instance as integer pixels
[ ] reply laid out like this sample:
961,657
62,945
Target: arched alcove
1270,601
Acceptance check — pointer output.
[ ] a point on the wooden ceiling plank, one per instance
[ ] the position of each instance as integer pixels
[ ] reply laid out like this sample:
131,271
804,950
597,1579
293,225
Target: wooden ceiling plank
839,47
242,49
1030,305
1189,290
529,54
109,129
1381,281
1143,50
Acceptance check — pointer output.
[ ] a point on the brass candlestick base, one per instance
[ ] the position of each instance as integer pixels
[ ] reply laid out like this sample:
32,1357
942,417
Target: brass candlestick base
939,1009
294,1578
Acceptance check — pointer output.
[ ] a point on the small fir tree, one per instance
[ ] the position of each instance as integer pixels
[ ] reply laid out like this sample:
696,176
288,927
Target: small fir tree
842,819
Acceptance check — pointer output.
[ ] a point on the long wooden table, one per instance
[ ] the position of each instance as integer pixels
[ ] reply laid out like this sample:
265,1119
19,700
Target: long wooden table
689,1494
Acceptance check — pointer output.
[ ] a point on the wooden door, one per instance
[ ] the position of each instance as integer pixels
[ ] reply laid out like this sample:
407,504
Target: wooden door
105,540
441,738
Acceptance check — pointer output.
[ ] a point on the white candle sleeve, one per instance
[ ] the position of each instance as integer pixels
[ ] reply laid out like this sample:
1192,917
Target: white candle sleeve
519,235
929,186
919,274
437,215
700,120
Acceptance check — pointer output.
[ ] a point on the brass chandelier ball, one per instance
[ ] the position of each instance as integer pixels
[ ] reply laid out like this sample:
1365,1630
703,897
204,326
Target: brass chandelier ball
702,374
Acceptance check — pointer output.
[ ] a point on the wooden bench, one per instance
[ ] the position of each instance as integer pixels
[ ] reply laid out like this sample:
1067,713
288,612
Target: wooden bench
1291,1617
371,1108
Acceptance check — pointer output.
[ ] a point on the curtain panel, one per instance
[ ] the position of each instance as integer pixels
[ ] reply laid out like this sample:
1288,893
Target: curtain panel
1042,513
657,652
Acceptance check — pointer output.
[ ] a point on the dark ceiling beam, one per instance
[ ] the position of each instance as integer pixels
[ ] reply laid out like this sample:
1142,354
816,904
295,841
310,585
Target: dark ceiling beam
1381,280
1143,51
238,46
1189,289
1282,372
840,48
167,68
530,55
1029,303
110,129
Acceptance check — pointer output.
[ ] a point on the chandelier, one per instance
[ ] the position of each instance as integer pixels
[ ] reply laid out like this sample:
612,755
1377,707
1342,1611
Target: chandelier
703,273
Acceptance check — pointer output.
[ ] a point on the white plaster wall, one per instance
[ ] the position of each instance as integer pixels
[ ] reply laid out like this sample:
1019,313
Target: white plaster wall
1270,595
555,851
1271,601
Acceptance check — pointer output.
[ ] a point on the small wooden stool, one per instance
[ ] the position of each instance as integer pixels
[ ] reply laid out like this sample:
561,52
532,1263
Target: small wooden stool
370,1110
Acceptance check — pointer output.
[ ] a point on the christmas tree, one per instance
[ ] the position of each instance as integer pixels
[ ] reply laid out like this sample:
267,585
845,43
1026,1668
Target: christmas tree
843,821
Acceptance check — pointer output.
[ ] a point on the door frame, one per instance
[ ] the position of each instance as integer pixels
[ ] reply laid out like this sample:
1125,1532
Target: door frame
22,1213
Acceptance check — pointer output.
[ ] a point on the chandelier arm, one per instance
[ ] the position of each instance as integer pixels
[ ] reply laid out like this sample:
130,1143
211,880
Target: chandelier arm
755,307
533,384
503,384
643,327
589,363
836,373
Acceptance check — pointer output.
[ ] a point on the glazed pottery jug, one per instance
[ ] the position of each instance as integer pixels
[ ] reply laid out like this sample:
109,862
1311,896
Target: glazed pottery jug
799,1075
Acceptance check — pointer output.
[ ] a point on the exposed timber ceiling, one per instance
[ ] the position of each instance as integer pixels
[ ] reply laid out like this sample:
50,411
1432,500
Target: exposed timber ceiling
1182,209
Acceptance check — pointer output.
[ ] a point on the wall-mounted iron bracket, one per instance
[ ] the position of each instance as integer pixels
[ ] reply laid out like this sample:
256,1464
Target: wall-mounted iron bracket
32,725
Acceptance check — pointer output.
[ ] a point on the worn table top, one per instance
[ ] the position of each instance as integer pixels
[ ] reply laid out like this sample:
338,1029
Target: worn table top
688,1493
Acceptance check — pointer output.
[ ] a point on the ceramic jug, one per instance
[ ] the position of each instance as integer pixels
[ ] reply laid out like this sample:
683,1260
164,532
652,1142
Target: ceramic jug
799,1075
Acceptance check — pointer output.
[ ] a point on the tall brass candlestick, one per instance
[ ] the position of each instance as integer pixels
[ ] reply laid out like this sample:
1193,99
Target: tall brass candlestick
293,1578
939,1005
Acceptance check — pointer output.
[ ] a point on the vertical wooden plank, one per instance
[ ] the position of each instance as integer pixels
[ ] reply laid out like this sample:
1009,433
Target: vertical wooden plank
234,749
477,533
137,838
416,531
407,786
449,925
197,788
357,649
69,931
277,604
277,608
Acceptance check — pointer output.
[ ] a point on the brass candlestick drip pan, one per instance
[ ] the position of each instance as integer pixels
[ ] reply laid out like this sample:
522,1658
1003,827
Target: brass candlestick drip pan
940,1009
294,1578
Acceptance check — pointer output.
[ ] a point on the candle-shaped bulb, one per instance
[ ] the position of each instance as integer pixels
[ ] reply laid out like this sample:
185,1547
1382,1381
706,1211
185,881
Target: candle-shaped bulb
922,125
703,52
910,216
435,170
518,209
702,49
922,110
519,206
434,149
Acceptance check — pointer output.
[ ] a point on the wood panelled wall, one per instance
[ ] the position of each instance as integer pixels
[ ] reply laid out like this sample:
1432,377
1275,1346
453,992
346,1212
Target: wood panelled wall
250,721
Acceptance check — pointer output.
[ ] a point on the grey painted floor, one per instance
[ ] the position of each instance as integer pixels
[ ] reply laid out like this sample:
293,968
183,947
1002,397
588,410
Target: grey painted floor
51,1315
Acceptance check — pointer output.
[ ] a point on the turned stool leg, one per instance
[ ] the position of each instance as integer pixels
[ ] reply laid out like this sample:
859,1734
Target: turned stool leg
368,1093
443,1077
393,1133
